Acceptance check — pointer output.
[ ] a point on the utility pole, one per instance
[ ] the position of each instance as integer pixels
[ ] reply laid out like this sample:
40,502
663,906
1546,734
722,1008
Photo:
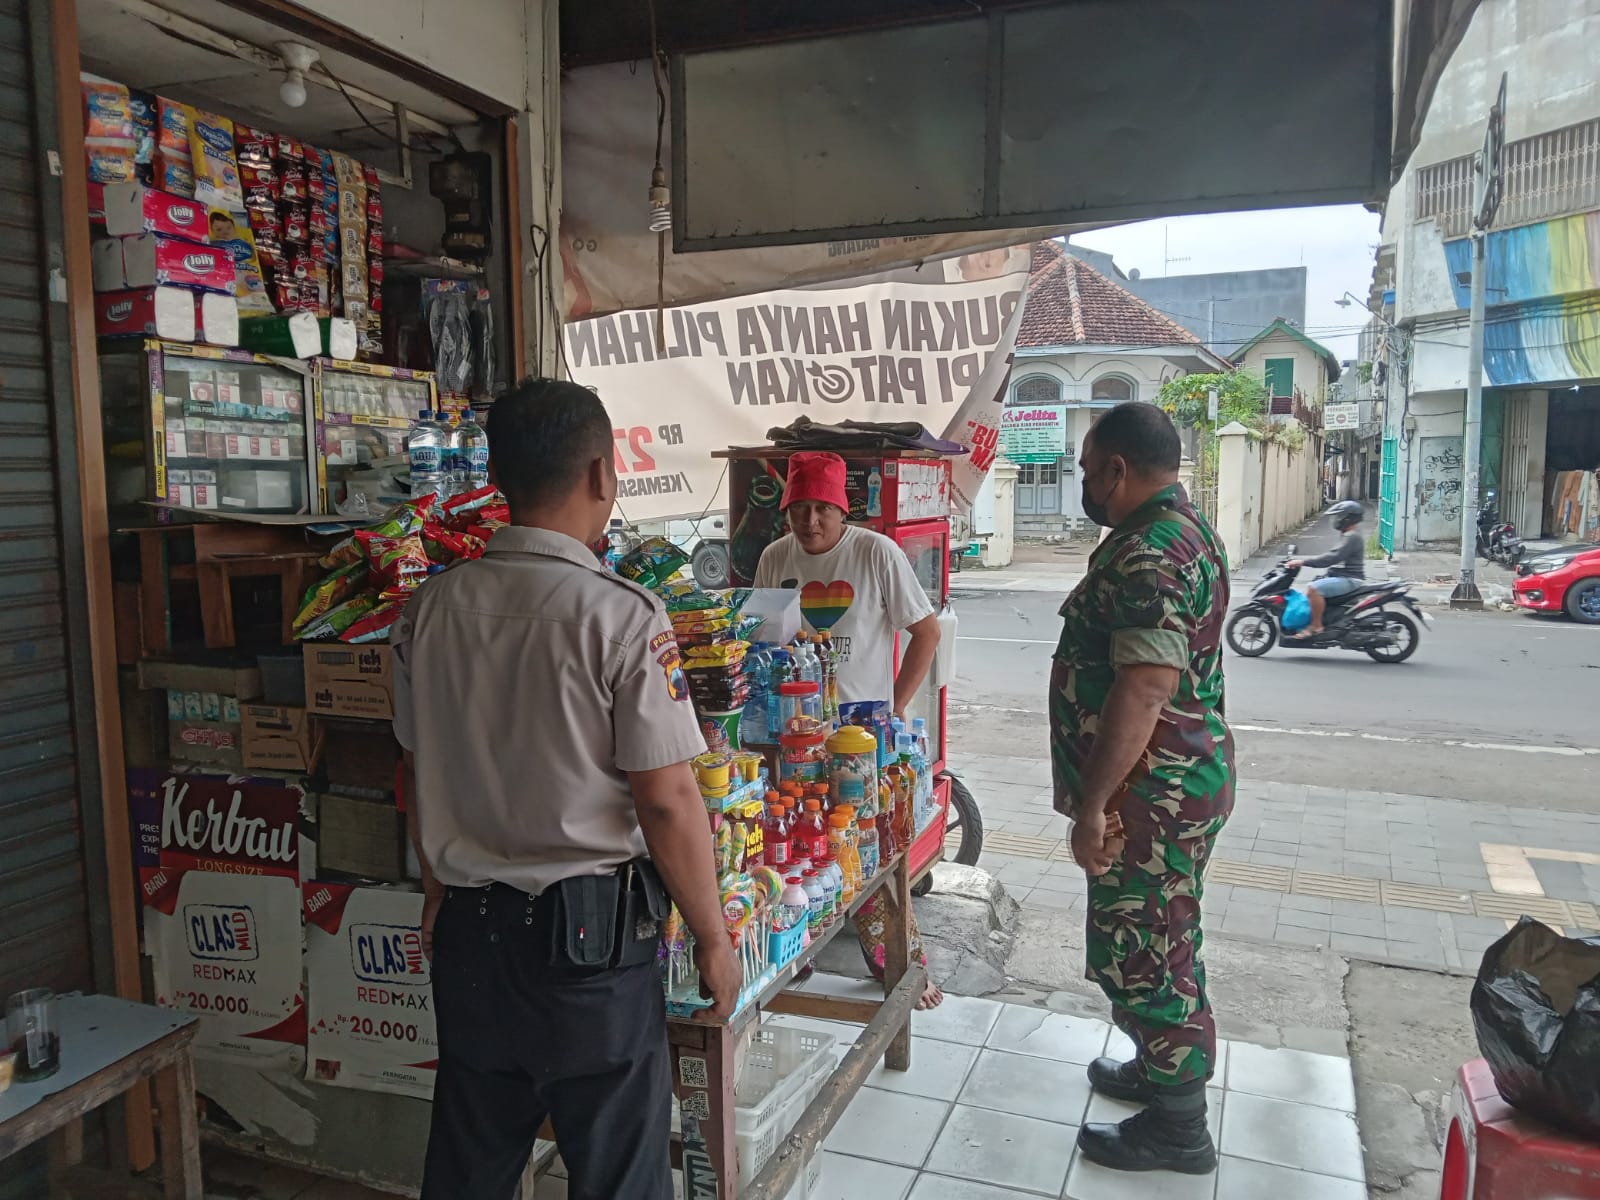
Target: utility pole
1486,201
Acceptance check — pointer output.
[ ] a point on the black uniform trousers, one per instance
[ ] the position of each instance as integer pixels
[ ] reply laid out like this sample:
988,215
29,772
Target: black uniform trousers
521,1039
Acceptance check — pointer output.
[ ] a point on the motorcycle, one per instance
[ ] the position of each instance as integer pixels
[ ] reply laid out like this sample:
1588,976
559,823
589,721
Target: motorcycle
1368,619
1497,541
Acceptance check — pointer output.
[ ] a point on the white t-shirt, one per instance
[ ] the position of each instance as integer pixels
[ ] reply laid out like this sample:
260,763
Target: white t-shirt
862,591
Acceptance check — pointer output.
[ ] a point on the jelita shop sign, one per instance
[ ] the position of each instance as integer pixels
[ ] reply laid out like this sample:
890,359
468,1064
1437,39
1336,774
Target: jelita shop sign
230,824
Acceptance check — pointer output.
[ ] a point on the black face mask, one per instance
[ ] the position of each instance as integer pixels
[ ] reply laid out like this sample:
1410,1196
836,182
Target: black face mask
1094,509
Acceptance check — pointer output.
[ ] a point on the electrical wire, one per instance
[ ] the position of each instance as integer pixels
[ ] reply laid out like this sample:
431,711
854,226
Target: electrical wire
428,147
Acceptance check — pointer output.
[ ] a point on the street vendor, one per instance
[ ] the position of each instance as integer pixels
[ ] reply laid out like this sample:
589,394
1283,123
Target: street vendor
547,750
859,587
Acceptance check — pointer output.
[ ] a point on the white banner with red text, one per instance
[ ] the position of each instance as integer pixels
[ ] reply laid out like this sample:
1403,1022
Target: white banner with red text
932,346
369,1023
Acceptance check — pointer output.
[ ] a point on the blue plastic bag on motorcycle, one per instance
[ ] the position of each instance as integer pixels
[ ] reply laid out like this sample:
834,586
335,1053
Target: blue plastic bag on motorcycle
1296,611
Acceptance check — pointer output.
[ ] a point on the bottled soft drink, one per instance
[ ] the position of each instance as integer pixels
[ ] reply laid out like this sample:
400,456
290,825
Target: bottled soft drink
813,831
794,904
816,902
428,449
775,835
469,447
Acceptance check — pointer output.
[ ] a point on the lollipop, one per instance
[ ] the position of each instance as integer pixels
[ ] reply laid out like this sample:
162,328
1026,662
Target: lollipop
769,884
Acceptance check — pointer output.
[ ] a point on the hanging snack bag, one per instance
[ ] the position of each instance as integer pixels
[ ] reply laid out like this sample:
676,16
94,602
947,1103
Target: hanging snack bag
653,564
337,619
174,168
216,173
321,597
398,564
375,626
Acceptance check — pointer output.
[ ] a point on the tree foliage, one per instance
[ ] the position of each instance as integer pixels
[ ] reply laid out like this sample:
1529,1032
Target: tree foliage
1241,397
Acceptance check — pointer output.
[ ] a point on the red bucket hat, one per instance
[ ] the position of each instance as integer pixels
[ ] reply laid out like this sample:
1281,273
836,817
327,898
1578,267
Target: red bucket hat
816,476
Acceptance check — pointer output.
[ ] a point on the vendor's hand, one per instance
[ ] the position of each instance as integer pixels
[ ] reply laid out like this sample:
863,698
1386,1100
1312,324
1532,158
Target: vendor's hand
721,977
1095,847
430,914
1294,564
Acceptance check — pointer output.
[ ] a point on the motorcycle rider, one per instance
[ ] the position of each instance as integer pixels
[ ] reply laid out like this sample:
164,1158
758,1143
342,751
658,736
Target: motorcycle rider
1346,564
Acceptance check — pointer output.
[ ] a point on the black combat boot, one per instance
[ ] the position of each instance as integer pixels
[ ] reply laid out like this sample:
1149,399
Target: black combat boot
1169,1135
1120,1081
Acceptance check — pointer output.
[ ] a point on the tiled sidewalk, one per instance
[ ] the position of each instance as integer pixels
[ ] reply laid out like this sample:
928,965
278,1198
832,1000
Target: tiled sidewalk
1396,878
991,1106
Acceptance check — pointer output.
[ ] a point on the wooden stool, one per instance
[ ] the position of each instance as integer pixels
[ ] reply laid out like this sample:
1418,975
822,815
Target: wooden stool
107,1046
1494,1152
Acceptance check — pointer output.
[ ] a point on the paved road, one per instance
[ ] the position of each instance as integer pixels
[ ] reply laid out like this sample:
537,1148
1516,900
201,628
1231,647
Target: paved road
1497,707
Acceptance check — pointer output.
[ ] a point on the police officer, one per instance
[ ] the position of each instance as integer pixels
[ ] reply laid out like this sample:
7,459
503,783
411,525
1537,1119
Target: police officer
1143,764
541,705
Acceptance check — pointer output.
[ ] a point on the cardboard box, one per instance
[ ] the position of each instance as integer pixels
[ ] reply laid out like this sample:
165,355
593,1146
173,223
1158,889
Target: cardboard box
361,837
226,679
163,312
205,743
277,738
360,755
150,259
132,208
349,680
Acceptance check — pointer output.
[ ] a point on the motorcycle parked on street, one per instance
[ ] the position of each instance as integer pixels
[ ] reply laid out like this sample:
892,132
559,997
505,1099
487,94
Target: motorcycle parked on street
1373,619
1497,541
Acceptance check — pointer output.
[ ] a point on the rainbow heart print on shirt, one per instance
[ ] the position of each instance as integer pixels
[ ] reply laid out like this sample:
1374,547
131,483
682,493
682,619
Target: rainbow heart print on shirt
823,605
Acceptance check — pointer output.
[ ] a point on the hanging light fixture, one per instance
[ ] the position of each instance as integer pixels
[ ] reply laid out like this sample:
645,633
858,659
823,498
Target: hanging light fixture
297,60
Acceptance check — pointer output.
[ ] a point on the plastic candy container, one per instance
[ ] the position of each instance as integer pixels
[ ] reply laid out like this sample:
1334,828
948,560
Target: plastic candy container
804,758
800,707
853,769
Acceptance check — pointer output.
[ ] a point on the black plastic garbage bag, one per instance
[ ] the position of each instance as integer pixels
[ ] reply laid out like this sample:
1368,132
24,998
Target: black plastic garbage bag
1536,1007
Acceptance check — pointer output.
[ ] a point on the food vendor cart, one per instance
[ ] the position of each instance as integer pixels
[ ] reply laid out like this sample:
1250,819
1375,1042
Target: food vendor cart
904,495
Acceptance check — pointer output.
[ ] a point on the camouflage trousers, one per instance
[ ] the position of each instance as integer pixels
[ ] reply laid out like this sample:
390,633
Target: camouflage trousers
1144,942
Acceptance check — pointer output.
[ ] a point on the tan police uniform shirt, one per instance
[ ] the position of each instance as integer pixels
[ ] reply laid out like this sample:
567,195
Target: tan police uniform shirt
527,685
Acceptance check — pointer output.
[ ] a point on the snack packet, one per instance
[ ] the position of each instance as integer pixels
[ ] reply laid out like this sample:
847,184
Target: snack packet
407,519
322,596
375,626
458,508
340,617
398,564
653,564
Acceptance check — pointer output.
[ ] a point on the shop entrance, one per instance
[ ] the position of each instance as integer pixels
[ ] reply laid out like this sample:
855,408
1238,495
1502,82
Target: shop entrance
1572,457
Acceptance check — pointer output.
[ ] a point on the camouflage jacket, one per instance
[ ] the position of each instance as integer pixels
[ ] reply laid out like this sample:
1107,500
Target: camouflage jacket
1156,592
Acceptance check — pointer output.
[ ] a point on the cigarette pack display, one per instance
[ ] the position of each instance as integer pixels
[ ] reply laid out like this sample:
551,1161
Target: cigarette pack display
151,259
216,319
163,312
132,208
220,428
105,265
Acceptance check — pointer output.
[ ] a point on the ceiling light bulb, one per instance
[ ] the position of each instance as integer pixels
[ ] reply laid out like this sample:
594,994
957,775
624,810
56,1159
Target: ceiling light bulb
297,60
292,91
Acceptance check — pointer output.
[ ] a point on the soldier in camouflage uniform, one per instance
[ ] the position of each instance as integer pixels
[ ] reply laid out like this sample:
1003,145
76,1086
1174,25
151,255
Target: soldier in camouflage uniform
1143,764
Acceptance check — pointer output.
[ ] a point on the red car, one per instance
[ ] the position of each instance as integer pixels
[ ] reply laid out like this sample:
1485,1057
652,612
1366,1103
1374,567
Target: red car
1562,580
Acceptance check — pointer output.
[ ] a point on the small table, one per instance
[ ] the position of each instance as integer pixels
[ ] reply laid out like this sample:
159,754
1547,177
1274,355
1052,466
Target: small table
107,1046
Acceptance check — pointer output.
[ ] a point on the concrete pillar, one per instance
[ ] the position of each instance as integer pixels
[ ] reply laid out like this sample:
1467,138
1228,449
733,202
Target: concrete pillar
1236,467
998,550
1186,475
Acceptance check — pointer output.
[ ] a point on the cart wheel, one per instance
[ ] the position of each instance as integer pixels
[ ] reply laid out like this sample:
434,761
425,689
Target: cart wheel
965,819
923,886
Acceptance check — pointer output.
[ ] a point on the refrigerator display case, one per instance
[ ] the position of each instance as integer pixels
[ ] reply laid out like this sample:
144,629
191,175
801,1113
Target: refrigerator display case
362,414
206,429
903,495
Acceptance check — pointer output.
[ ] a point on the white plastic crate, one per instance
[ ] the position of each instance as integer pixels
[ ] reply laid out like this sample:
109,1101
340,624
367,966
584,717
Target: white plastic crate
783,1070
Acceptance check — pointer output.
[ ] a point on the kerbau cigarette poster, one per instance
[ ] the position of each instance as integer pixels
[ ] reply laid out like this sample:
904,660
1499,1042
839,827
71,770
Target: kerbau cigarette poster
370,1020
226,948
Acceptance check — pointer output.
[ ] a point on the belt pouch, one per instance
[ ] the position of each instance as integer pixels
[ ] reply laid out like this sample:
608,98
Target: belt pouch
586,916
644,904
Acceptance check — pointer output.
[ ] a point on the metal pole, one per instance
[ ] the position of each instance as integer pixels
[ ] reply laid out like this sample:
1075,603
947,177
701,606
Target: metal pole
1466,594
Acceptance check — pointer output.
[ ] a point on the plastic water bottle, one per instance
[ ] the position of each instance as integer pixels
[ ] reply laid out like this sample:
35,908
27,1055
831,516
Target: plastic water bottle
469,444
428,449
754,720
782,672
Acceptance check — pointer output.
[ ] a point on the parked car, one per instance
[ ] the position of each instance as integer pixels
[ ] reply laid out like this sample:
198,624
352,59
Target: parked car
1566,580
